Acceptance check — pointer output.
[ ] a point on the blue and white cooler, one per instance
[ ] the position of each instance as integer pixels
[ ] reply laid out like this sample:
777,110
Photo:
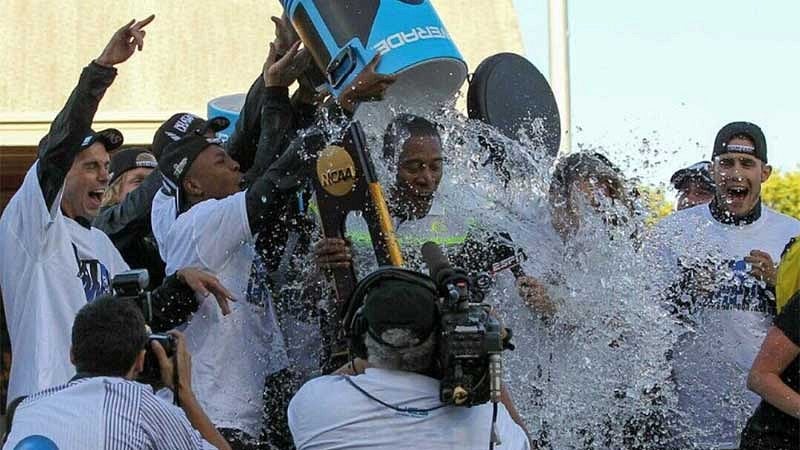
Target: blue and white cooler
344,35
227,106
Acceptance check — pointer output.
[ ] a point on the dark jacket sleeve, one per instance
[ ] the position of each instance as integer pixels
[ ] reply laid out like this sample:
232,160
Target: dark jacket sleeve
116,221
173,302
244,140
270,192
58,149
276,120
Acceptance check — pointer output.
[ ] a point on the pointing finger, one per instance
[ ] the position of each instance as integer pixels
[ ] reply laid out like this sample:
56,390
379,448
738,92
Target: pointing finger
144,22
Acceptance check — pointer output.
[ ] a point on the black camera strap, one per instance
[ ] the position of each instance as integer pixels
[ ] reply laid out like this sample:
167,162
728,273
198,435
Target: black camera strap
409,411
176,380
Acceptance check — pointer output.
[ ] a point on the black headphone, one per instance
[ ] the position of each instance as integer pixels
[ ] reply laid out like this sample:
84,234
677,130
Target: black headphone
354,321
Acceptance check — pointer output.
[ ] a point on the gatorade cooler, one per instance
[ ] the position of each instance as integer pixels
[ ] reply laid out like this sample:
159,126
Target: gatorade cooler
344,35
227,106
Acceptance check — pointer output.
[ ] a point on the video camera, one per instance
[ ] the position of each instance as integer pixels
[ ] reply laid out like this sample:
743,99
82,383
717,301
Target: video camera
130,286
472,339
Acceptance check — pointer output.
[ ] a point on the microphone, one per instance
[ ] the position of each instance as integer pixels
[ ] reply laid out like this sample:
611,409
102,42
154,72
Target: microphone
453,283
435,260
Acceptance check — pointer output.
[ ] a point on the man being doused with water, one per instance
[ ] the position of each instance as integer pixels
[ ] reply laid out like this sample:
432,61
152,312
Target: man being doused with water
412,151
720,261
594,373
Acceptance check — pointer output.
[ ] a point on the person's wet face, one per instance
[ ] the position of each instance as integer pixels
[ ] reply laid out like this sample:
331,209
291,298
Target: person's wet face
86,182
213,174
694,192
419,172
595,192
131,180
738,177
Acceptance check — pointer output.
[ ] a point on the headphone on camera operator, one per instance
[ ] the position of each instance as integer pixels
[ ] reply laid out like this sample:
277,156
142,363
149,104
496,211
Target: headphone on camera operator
468,340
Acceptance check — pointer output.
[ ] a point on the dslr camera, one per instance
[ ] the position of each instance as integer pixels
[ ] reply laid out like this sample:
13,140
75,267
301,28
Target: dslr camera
472,340
130,286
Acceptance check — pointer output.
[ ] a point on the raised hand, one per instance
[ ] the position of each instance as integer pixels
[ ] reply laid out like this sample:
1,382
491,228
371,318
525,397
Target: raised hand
368,86
124,42
285,36
284,70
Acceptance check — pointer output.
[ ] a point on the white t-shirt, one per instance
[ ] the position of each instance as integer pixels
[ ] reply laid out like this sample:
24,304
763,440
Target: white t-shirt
162,216
231,355
711,363
329,413
106,413
49,266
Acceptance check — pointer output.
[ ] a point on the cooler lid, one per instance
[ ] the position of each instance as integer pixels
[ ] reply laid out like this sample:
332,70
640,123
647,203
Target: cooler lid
507,90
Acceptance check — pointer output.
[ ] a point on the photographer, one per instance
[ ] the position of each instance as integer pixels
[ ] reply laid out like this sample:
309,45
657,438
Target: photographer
395,402
102,406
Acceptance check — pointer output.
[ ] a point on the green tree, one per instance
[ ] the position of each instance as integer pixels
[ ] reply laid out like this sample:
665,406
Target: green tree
782,192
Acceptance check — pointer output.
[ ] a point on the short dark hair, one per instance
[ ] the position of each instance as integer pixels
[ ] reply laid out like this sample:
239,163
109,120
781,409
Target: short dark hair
107,335
401,129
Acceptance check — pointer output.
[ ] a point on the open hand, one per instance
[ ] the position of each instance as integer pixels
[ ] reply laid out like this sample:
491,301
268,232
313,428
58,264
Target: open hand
204,283
368,86
285,70
124,42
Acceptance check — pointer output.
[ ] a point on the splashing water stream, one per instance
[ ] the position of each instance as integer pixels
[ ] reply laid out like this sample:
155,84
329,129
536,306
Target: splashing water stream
596,375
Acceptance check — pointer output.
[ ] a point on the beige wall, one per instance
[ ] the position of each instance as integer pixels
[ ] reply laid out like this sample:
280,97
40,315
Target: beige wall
194,51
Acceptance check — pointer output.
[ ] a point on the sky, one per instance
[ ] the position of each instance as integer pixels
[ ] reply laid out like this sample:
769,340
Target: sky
673,73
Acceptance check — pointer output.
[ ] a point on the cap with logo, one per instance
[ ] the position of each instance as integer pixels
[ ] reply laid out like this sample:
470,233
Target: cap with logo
111,138
752,131
129,159
176,160
698,172
183,124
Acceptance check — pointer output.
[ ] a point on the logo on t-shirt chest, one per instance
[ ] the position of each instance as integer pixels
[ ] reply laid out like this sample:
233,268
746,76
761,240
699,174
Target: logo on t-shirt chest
738,289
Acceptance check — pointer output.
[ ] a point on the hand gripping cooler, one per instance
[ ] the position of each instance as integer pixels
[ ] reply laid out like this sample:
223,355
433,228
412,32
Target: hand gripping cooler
344,35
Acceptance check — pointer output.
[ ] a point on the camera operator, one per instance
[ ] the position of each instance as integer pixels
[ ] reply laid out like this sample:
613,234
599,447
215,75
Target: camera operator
395,403
103,406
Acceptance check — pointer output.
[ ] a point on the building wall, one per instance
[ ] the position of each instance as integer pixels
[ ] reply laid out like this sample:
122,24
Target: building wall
194,51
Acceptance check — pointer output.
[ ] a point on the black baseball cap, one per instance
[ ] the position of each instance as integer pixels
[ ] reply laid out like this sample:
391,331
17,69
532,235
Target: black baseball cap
131,158
698,172
111,138
392,303
184,124
176,160
733,129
